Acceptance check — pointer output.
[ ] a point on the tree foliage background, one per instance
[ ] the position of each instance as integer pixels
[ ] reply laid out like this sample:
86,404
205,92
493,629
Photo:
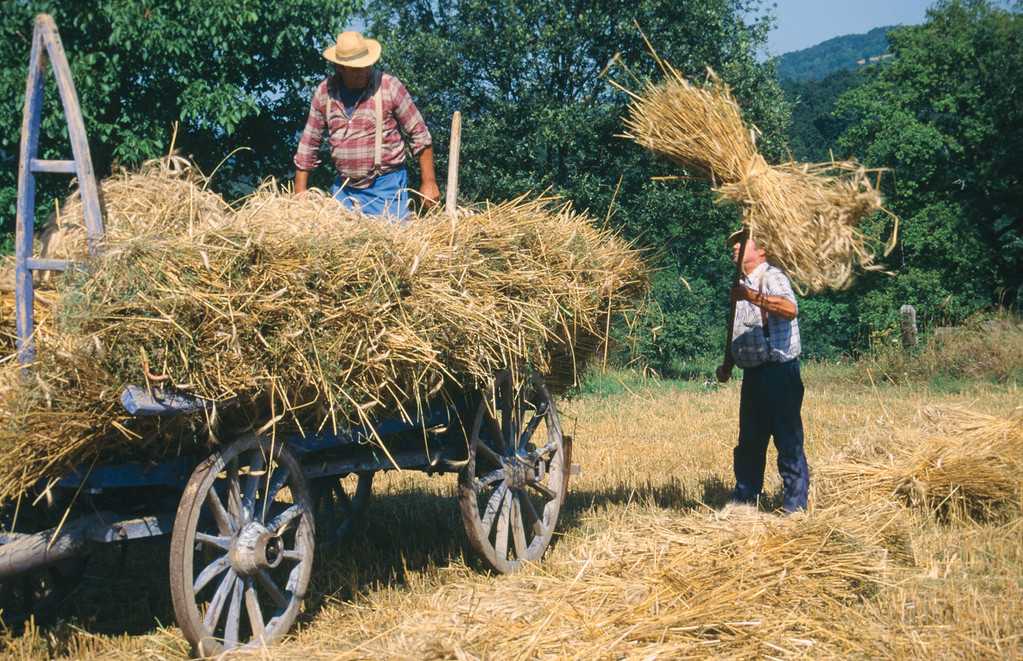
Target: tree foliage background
231,73
946,115
815,129
533,82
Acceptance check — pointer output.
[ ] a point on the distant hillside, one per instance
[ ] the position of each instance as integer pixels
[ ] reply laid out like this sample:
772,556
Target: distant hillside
847,52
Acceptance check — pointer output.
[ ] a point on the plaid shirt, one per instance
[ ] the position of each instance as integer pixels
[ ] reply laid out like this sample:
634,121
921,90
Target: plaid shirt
352,138
750,347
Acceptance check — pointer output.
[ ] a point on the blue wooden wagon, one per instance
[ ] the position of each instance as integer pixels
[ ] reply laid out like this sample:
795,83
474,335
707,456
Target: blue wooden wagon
244,521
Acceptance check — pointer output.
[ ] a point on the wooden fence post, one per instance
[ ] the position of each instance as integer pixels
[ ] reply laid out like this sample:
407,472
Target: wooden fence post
907,319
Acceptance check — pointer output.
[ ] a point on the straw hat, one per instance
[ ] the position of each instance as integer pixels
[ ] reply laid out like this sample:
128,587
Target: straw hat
353,50
733,238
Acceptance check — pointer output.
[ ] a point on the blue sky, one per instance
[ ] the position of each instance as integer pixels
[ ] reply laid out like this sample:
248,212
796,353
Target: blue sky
804,23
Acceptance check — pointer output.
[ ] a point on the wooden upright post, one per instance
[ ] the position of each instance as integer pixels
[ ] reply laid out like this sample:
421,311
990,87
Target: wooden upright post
453,150
47,48
907,322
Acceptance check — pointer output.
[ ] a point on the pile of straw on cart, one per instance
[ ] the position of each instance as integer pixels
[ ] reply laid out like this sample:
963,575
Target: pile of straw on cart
806,216
304,314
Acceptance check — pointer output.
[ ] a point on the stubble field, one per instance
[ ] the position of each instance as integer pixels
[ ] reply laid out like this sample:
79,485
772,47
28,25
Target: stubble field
651,562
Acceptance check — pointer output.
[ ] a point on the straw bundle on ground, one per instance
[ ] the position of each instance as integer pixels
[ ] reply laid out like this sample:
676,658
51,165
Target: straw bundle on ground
806,216
954,460
309,314
735,584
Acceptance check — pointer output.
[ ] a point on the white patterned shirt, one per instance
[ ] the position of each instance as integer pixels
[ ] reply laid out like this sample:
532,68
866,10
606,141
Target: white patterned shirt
750,346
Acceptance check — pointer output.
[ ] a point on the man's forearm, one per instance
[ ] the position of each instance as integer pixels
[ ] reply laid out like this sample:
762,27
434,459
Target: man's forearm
428,189
426,171
779,306
301,180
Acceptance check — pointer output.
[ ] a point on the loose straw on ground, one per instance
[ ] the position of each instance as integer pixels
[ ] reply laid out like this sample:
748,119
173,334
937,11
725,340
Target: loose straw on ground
734,584
953,461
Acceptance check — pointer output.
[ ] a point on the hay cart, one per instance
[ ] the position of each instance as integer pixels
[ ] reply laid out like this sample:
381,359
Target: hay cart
244,521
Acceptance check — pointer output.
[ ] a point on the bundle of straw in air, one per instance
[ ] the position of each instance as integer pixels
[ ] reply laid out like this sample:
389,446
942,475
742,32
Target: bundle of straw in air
805,216
312,316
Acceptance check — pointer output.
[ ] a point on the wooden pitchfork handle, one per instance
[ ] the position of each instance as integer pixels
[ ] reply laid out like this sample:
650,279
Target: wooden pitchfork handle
729,360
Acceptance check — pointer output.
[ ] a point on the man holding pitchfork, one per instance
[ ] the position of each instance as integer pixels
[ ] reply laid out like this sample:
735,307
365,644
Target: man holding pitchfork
765,344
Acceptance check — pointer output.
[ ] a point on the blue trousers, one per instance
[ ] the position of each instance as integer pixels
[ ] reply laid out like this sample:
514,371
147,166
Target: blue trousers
388,196
770,405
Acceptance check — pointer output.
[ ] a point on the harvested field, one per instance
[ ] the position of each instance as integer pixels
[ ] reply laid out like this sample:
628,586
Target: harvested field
651,564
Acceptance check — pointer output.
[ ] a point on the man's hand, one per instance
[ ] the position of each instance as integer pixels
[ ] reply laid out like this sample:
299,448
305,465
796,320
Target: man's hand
723,373
430,194
724,370
741,293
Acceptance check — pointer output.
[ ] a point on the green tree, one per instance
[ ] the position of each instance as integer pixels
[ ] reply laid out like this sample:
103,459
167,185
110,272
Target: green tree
537,115
233,74
946,115
815,129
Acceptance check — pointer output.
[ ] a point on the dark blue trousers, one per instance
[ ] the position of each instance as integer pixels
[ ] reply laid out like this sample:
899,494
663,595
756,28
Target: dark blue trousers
770,405
387,197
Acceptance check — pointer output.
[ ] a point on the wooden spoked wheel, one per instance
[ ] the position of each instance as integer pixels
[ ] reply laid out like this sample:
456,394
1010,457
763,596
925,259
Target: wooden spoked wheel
242,547
513,484
340,505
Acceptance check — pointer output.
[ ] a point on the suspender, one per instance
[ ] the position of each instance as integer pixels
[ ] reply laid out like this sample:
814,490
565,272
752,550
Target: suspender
763,315
378,107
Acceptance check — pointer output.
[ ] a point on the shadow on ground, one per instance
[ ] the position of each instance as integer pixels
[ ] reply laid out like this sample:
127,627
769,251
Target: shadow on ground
124,589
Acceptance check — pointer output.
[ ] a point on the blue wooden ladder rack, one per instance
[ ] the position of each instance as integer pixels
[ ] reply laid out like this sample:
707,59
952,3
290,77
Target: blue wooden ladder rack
46,46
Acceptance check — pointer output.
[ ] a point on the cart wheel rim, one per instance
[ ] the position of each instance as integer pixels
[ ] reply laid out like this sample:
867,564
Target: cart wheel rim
513,484
242,547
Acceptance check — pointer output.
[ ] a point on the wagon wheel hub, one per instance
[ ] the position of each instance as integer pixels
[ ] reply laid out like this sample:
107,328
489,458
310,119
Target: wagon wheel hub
255,549
519,472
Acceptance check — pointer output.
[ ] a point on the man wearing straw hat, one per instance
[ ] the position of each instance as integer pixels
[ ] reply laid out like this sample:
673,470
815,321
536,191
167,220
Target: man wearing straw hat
765,344
364,112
